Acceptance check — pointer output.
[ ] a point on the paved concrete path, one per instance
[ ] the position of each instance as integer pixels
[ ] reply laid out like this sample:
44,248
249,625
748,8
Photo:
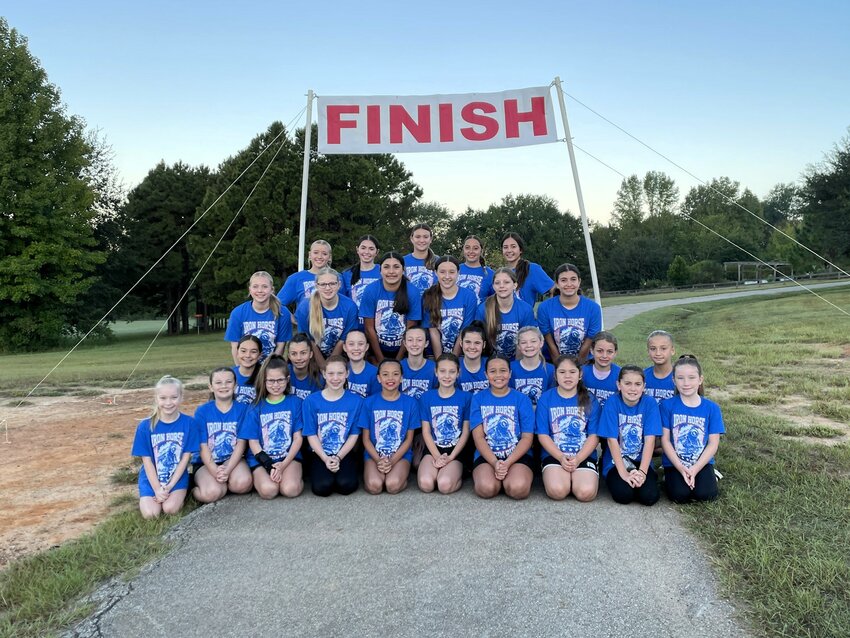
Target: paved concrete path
419,564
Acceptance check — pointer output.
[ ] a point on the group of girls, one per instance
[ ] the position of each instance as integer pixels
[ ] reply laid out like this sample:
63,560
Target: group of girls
414,331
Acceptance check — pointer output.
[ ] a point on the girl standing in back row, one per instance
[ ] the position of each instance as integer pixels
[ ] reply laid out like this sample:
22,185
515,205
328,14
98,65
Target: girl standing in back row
531,279
356,278
419,265
474,273
300,285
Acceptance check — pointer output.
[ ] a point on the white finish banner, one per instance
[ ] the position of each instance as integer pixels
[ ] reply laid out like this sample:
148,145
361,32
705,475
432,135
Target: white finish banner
420,123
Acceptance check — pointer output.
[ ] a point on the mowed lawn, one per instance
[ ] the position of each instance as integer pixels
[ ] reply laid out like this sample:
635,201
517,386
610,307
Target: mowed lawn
110,365
780,532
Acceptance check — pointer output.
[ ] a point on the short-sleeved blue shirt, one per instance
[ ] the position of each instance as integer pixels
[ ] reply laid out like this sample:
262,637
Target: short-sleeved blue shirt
421,277
688,428
165,446
244,320
377,303
332,421
658,389
273,425
601,389
364,383
504,419
479,280
455,315
445,415
388,422
569,327
415,383
566,422
336,323
532,383
473,382
520,315
297,286
629,425
219,430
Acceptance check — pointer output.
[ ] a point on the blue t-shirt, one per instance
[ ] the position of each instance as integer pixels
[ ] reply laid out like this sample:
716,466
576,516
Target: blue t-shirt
658,389
504,419
355,292
303,388
519,316
244,392
364,383
601,389
165,446
388,422
297,286
273,425
688,428
629,425
377,303
473,382
417,274
536,283
337,323
219,430
445,416
478,280
569,328
332,421
415,383
566,422
244,320
532,383
455,315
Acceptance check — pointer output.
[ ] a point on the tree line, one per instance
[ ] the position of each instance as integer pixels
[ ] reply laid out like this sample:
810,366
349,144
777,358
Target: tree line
72,241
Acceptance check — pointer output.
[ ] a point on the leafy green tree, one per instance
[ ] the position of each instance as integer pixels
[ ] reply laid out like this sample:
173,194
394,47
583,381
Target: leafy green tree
678,274
552,237
720,206
826,204
48,253
782,204
628,207
661,193
157,212
349,196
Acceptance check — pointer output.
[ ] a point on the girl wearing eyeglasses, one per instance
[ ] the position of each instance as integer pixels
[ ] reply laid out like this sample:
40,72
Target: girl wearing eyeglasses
326,316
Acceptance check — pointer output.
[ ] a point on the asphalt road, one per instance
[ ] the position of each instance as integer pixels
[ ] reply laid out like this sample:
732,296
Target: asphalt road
424,564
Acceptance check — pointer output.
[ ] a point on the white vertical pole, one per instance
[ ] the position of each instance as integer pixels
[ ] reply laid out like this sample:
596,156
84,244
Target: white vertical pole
305,180
584,224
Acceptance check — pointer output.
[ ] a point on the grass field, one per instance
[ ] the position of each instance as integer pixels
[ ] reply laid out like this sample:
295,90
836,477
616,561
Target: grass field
109,365
780,533
617,300
779,536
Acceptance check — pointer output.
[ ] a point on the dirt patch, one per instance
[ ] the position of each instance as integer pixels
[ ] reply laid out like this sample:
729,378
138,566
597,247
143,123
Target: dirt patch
56,470
798,410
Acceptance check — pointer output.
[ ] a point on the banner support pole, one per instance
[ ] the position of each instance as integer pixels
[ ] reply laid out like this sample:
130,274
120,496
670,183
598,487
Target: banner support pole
584,224
305,179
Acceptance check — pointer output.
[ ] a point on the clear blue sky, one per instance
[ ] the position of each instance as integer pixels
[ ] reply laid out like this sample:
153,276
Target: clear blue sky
751,90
